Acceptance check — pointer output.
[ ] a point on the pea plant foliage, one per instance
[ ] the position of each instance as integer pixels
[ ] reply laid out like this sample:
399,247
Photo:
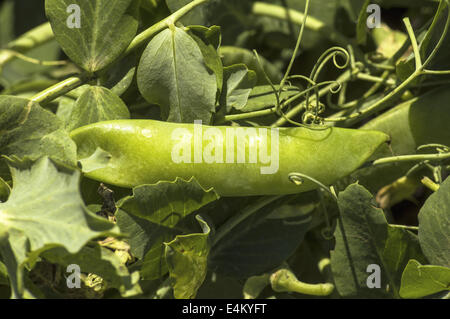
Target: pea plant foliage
224,149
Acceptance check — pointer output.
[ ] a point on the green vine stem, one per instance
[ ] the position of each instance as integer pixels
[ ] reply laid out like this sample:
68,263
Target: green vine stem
285,280
344,77
412,158
29,40
146,35
412,228
297,46
397,92
72,83
426,181
60,89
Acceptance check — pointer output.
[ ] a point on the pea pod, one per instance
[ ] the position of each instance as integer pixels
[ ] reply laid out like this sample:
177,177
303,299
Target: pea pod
235,161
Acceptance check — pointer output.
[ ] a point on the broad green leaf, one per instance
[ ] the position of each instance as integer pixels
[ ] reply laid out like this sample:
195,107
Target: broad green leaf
263,96
155,214
434,226
105,29
172,73
97,104
29,130
261,242
120,77
255,285
420,281
208,40
100,261
3,274
44,210
234,55
238,83
187,259
65,107
363,238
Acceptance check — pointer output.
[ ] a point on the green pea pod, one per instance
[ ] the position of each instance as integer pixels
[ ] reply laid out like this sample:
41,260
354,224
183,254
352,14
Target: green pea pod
235,161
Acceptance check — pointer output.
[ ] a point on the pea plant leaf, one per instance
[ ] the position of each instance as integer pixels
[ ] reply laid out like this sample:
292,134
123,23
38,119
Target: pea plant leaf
363,239
235,55
44,210
171,72
3,274
101,261
209,40
187,260
29,130
119,77
261,242
420,281
238,83
93,33
434,230
94,105
155,214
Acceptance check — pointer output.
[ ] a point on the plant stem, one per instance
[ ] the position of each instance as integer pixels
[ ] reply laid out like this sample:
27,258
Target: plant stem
413,228
284,280
412,158
297,46
413,42
381,104
426,181
345,77
375,79
144,36
59,89
29,40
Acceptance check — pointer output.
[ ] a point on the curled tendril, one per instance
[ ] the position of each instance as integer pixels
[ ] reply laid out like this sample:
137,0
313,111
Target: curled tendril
299,179
331,53
439,147
337,88
310,107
